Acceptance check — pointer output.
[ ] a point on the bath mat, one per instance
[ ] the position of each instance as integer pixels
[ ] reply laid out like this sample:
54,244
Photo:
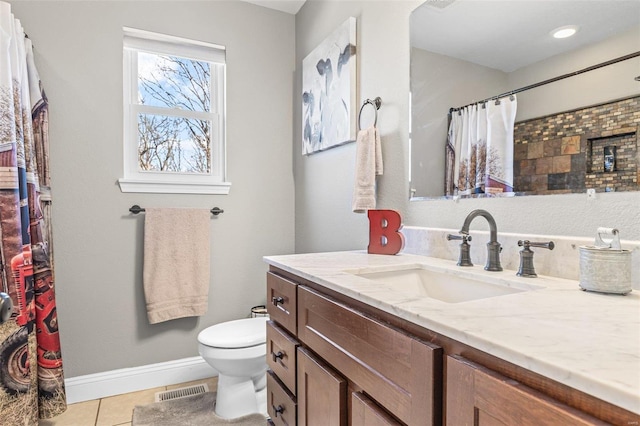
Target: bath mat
196,410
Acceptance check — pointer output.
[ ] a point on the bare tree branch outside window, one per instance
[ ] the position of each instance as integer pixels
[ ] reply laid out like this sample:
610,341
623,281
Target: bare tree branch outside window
171,142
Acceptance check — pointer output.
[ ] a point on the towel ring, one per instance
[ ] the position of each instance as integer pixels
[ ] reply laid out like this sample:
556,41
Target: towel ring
376,105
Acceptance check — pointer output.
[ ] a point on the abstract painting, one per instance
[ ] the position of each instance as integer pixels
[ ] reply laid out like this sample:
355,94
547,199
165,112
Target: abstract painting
329,91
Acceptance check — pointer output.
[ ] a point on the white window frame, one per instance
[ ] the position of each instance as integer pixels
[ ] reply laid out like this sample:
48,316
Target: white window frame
135,180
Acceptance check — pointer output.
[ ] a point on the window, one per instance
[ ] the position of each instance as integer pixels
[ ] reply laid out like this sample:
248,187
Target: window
174,115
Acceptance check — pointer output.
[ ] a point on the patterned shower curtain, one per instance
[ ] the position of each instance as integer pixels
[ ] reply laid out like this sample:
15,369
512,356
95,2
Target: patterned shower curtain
480,148
31,377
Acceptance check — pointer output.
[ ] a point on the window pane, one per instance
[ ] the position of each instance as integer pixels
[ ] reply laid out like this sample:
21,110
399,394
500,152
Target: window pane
173,82
173,144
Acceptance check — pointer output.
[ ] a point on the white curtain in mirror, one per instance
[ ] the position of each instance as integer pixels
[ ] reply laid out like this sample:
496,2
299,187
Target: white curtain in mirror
480,148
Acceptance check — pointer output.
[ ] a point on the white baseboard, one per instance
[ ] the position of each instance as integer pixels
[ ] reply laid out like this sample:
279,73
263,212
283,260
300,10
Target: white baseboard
125,380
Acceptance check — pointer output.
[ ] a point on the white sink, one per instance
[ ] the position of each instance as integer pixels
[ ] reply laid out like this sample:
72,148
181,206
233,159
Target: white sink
444,285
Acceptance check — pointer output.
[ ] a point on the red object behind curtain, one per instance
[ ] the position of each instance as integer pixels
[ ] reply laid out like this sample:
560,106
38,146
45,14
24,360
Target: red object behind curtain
31,377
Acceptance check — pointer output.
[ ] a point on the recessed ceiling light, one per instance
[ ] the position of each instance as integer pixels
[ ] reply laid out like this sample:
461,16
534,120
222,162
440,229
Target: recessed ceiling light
564,32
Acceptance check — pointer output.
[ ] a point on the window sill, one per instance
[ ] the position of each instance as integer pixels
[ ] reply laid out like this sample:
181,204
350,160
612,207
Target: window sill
132,185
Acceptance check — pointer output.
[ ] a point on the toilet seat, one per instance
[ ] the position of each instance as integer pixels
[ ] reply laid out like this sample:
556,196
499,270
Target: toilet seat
243,333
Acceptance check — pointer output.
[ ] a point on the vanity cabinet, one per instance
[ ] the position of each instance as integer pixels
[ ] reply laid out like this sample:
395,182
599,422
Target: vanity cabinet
398,371
350,368
478,396
356,365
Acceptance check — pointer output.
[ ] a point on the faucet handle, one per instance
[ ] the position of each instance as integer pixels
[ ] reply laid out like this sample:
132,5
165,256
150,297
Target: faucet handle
465,253
526,257
526,244
464,237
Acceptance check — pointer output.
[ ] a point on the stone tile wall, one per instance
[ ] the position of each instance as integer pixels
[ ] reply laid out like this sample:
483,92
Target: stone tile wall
564,152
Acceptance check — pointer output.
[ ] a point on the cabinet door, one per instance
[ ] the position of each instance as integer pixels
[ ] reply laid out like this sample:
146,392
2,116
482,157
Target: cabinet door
322,393
477,396
282,302
281,355
281,405
365,412
402,373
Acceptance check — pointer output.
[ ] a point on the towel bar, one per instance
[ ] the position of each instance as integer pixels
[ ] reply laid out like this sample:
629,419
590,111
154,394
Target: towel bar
135,209
376,104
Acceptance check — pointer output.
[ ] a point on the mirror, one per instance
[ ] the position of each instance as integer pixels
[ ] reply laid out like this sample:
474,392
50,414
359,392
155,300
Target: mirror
568,134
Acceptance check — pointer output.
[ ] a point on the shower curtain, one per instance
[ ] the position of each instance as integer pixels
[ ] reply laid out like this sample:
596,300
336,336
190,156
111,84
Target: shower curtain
31,377
480,148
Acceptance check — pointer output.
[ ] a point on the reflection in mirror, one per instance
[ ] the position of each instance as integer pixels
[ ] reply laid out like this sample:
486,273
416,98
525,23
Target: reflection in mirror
569,134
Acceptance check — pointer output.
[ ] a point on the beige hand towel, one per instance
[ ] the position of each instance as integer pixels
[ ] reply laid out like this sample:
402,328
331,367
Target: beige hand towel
368,166
176,263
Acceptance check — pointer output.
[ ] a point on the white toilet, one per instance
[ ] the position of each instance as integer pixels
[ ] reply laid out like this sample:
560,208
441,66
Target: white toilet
237,350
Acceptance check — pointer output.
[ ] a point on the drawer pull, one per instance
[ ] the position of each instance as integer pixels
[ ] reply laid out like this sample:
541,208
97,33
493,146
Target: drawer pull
277,300
278,410
278,355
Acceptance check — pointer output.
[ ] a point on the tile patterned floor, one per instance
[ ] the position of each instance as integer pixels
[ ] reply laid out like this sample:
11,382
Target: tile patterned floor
114,410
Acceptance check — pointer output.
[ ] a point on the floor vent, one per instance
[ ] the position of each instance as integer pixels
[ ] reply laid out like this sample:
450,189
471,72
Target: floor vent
182,392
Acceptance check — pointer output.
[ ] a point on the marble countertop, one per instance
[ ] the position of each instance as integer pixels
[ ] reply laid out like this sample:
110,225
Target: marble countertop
588,341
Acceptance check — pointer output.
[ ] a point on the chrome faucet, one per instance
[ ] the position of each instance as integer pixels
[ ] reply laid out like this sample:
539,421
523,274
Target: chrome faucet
493,246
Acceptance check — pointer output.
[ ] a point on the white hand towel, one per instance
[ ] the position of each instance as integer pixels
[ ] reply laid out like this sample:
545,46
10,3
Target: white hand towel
368,166
176,263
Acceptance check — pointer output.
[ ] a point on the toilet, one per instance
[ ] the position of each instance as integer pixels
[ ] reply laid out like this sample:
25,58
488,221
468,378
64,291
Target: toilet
237,350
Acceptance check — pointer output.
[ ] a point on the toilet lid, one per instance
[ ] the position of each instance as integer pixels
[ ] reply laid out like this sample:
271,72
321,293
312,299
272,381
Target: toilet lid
235,334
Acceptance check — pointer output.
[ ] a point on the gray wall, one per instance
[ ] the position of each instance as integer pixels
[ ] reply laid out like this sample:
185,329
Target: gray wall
323,217
324,181
603,85
98,244
440,82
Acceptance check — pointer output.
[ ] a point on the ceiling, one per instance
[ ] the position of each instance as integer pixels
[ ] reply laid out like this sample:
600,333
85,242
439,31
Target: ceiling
288,6
508,35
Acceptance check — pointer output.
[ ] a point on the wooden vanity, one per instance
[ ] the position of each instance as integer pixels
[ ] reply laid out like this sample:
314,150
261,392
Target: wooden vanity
337,360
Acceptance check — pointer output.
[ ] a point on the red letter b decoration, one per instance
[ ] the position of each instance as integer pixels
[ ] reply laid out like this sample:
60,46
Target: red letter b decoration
384,232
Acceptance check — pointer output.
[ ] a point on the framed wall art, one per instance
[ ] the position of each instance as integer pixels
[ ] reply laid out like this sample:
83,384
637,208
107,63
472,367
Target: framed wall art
329,91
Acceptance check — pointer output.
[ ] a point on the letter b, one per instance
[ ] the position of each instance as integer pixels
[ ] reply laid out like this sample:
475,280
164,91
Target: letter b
384,232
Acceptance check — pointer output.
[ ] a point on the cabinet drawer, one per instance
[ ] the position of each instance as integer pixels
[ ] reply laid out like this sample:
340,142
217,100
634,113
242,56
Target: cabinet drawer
477,395
365,412
281,405
281,355
403,374
281,301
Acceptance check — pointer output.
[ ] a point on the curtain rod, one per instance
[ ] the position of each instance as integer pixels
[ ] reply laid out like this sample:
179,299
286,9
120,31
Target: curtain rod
554,79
